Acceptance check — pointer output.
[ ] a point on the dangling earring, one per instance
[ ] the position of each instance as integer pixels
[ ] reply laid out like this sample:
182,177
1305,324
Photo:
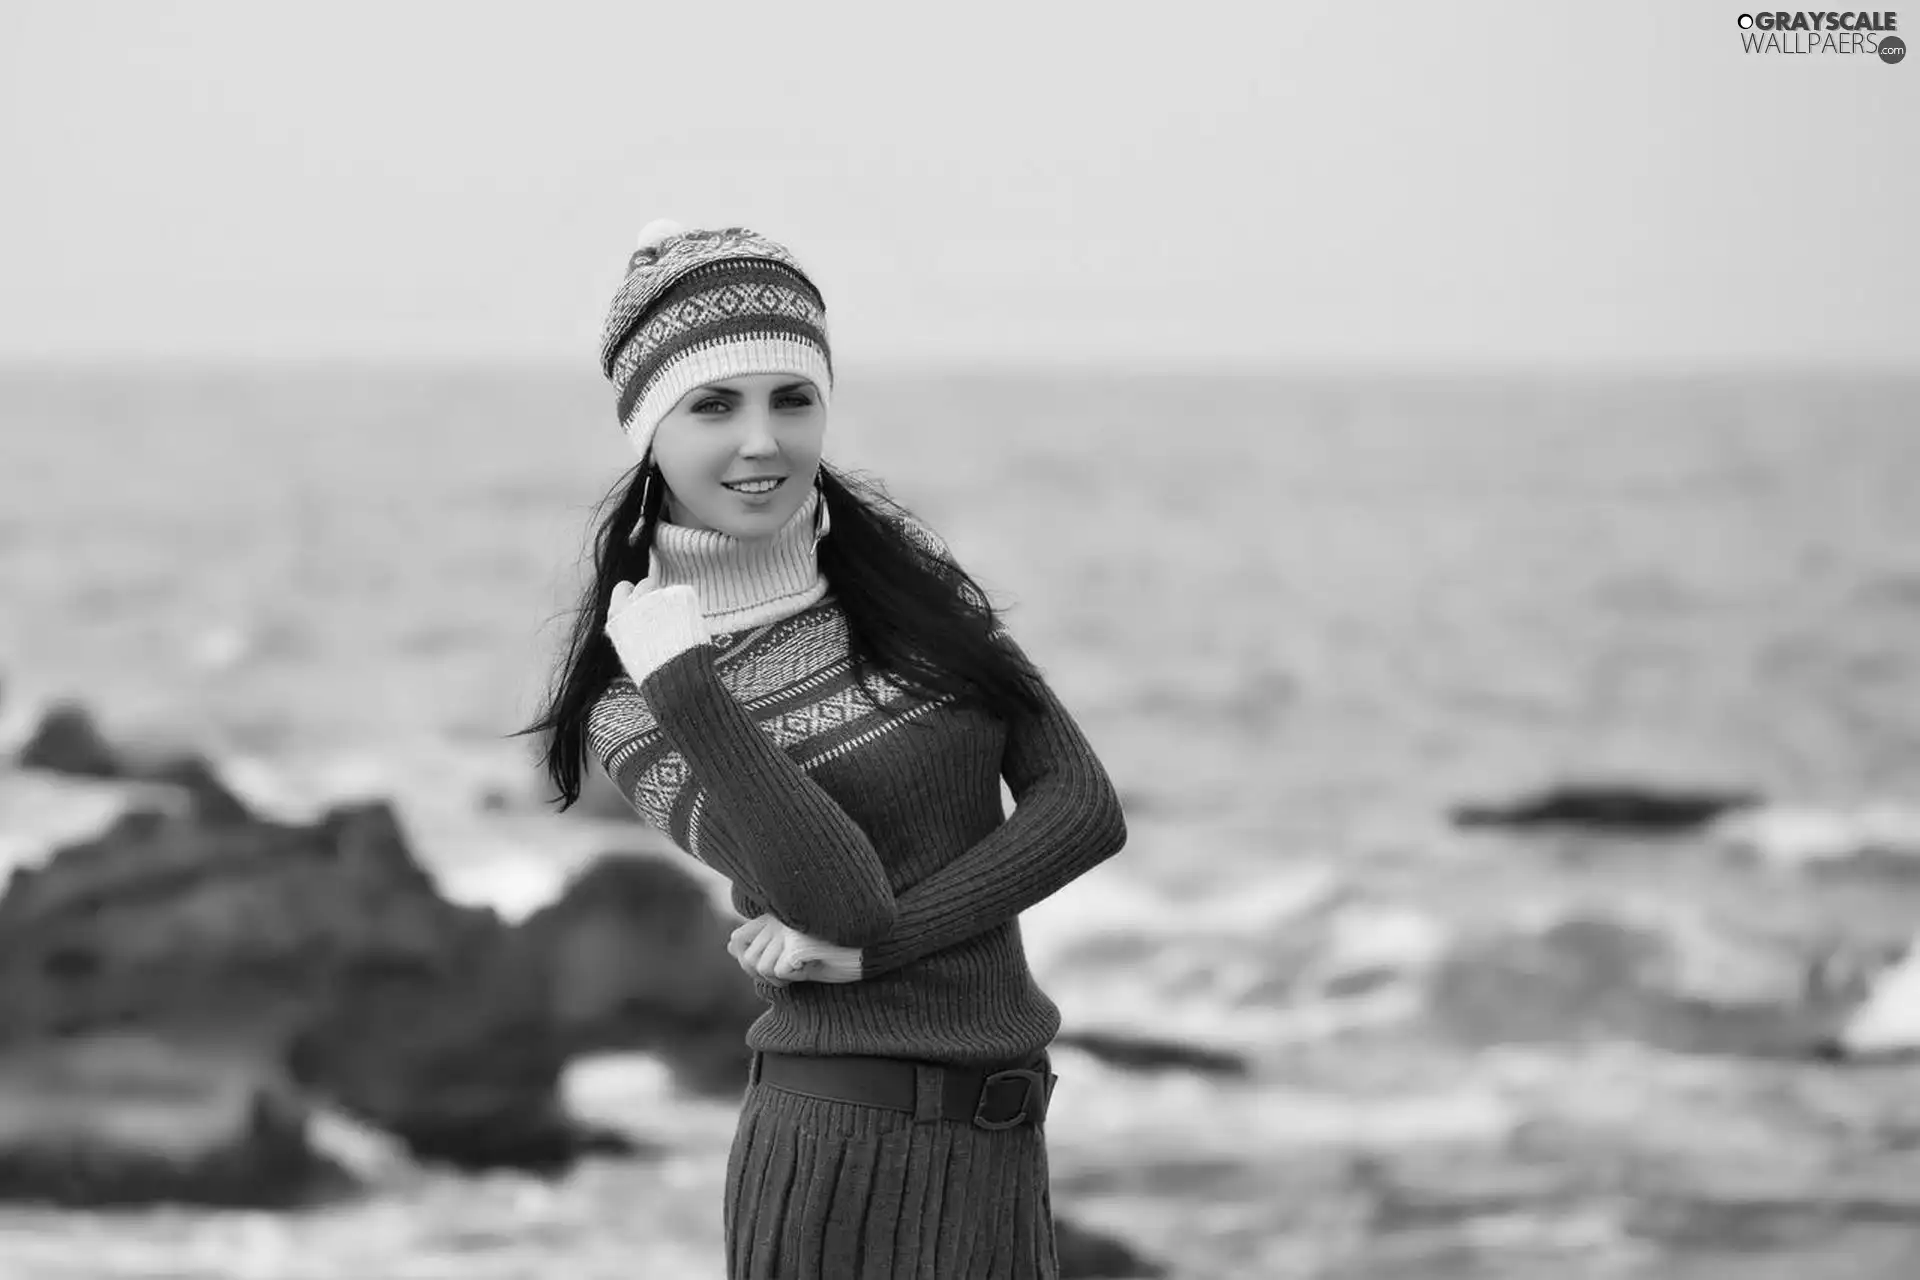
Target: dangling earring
646,495
822,518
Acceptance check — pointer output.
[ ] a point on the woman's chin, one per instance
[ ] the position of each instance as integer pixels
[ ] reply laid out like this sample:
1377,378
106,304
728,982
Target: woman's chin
744,520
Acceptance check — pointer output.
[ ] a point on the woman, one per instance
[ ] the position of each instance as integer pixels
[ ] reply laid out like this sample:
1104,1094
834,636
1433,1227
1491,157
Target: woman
792,678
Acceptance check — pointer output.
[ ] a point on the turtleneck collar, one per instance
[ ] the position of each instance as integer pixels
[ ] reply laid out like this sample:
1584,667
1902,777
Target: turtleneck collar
743,582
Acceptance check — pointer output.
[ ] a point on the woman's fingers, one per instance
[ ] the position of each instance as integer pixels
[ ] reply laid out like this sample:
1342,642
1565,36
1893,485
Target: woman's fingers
768,950
617,598
771,950
759,955
741,937
768,961
797,956
758,947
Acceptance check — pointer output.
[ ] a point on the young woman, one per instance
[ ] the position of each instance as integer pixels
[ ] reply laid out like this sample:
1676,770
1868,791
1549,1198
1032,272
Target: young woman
792,677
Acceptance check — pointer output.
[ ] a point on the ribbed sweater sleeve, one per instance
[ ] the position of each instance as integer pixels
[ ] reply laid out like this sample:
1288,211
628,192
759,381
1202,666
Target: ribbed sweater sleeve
1067,819
764,823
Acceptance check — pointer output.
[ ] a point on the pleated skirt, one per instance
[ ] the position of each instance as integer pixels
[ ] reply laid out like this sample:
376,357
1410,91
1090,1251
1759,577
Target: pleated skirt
820,1190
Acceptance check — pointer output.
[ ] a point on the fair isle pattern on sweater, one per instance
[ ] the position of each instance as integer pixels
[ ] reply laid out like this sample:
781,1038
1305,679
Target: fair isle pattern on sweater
881,828
793,676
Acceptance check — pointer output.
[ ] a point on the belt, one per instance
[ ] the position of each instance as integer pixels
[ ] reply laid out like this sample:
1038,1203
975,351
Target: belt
988,1097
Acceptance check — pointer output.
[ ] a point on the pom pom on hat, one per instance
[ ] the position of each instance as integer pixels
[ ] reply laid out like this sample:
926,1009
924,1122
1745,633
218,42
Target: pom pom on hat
652,236
657,232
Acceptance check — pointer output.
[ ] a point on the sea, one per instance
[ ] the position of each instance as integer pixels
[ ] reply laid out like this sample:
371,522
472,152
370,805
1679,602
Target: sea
1298,615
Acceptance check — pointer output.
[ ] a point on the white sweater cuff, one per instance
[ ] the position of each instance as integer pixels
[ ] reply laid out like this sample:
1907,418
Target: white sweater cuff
655,627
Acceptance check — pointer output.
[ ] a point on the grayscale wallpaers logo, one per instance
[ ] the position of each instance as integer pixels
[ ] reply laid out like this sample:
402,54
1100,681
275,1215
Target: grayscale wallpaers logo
1805,33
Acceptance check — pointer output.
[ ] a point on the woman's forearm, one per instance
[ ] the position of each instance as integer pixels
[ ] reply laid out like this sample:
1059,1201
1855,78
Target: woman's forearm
756,816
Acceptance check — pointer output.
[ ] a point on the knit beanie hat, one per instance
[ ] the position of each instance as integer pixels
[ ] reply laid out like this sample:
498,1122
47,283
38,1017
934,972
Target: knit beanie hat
698,306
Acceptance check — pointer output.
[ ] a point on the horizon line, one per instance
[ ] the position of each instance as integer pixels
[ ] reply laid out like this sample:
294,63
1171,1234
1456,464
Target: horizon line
248,363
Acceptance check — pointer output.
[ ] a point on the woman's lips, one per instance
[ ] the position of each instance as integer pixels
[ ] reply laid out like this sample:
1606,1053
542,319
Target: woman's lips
757,492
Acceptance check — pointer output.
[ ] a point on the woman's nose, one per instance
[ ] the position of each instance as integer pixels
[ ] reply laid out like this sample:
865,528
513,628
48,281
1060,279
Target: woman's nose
759,439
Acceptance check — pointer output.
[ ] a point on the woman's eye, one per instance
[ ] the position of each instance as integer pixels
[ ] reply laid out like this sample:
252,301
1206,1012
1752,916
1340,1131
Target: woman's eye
781,402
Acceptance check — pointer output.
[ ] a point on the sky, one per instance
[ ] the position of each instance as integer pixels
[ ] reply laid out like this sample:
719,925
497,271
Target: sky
1185,186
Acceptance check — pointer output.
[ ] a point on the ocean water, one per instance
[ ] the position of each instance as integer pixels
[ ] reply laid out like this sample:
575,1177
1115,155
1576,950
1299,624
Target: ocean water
1298,616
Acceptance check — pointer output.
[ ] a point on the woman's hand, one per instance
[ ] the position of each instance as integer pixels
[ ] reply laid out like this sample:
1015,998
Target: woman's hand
650,625
625,593
779,953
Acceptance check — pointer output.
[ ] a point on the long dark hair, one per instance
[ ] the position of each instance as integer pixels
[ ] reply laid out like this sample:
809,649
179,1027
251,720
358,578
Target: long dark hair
911,612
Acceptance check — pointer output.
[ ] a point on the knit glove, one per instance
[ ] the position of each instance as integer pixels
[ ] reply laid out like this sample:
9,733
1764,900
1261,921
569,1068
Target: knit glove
651,625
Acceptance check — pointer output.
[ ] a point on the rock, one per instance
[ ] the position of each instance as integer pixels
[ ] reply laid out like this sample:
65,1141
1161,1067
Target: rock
456,1055
1086,1254
68,741
636,958
129,1119
41,811
1147,1053
209,798
1608,808
425,1019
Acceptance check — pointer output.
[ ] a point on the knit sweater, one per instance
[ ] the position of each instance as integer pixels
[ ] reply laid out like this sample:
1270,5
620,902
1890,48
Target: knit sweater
737,729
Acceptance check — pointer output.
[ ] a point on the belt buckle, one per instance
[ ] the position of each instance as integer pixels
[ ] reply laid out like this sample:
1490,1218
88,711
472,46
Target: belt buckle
1034,1082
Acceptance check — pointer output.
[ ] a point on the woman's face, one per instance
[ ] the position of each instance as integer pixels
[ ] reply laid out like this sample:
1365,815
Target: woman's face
737,429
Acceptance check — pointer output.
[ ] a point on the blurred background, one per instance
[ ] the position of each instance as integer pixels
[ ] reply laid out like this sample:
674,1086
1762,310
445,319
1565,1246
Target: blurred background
1458,462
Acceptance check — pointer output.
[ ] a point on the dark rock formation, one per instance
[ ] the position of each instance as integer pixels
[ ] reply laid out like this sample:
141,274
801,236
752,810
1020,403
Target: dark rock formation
329,948
1148,1053
131,1119
636,958
1608,808
67,741
328,942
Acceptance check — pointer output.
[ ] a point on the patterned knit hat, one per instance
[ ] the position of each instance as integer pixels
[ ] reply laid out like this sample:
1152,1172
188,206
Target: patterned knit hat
698,306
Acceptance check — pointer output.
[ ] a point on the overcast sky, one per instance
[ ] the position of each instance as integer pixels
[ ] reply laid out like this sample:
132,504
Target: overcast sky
1195,184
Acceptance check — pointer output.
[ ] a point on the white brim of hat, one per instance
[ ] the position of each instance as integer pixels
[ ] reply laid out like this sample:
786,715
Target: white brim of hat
733,358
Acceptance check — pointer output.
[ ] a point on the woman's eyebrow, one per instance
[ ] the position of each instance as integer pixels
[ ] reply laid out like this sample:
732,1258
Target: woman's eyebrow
729,391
